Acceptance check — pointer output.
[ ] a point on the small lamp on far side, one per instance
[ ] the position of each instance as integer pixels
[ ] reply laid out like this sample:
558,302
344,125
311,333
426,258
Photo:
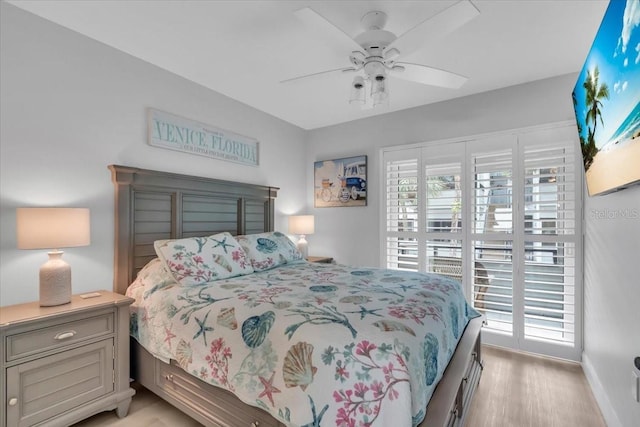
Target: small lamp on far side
53,228
302,225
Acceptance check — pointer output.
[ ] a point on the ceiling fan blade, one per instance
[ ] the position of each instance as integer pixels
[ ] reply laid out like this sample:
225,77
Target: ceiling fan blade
320,73
443,23
429,75
337,39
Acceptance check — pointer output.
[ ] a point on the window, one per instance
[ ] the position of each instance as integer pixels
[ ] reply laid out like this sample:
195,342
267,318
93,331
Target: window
499,214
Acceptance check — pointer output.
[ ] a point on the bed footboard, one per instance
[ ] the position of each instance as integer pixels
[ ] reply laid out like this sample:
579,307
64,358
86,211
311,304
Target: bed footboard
213,406
452,397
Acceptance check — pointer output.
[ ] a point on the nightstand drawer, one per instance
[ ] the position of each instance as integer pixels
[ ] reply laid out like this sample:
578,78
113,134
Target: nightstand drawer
44,388
46,337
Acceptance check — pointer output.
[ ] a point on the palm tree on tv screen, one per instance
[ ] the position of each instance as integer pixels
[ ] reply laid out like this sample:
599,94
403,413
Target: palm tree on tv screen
595,93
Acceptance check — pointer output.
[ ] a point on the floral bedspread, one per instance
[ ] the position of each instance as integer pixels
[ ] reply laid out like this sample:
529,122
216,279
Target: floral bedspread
312,344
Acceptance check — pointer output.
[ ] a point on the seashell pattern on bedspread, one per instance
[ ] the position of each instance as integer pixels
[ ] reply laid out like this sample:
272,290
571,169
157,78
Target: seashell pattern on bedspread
312,344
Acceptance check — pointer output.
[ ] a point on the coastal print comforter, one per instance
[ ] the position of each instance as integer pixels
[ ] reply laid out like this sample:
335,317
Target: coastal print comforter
312,344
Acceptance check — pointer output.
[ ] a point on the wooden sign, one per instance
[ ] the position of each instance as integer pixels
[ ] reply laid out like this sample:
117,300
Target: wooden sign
180,134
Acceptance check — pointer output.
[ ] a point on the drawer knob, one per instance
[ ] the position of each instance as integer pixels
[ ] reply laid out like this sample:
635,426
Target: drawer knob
168,377
64,335
254,424
13,401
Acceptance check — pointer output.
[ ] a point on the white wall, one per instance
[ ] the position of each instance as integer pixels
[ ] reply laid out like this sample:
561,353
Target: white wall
70,106
612,301
612,245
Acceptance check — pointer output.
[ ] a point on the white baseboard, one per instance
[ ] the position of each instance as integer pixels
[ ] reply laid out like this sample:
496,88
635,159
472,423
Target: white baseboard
607,410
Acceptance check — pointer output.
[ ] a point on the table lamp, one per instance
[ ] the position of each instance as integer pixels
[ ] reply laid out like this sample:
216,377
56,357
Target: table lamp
53,228
302,225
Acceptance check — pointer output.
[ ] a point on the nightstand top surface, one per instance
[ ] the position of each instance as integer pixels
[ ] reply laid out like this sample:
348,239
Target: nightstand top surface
320,259
12,314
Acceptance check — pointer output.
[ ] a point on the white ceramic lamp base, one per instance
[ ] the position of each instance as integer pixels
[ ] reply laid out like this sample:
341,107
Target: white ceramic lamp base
303,246
55,281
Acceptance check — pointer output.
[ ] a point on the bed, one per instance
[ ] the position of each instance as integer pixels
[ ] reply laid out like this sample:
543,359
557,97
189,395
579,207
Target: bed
329,369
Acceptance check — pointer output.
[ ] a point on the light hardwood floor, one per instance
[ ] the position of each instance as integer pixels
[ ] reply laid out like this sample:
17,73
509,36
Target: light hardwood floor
516,390
523,390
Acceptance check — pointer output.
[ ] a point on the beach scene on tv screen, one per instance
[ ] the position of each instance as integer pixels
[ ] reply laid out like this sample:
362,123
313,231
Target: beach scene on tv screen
606,99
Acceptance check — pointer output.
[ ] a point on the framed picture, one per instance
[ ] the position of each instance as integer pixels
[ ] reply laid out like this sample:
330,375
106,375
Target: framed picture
340,182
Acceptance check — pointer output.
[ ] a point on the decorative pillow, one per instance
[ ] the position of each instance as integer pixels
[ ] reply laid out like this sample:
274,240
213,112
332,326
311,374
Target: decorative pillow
198,260
268,250
154,276
152,273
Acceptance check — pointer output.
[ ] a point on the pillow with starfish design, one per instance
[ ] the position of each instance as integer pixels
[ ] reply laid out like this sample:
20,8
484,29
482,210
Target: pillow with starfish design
199,260
268,250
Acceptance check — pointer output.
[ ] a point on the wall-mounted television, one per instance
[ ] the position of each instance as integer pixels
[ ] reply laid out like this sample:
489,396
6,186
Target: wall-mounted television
606,100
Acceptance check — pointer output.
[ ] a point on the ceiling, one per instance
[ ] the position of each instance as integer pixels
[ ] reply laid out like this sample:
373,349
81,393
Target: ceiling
243,49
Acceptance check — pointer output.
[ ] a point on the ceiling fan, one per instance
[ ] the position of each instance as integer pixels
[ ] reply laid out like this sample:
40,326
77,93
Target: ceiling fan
376,51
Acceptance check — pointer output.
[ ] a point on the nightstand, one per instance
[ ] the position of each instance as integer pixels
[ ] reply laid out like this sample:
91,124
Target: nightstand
320,259
65,363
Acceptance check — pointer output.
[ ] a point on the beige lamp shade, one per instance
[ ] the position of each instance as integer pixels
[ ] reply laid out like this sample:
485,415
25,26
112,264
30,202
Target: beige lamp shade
301,224
53,228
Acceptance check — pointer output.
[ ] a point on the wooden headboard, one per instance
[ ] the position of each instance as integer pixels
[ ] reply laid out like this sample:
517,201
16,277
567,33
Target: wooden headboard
152,205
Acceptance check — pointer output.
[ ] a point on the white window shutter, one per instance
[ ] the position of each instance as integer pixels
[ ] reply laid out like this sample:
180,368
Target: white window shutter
501,214
401,210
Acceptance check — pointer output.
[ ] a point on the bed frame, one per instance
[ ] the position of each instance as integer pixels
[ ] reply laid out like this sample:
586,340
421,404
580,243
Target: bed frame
152,205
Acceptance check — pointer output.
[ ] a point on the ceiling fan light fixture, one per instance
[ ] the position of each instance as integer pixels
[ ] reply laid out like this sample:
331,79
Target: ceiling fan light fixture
379,91
357,91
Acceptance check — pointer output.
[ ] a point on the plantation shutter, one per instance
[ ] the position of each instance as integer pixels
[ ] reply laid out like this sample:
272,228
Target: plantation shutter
551,202
491,165
502,215
401,210
443,209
